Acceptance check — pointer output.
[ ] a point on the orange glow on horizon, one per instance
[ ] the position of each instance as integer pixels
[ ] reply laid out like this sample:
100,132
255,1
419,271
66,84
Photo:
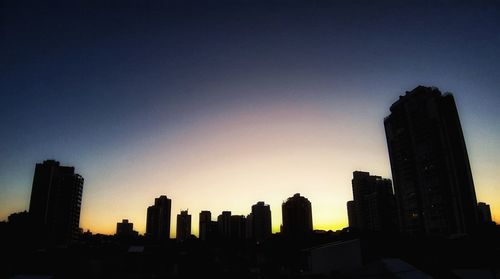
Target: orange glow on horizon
234,159
237,158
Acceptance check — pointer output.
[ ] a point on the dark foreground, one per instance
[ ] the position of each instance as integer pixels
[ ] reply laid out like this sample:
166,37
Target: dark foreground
340,254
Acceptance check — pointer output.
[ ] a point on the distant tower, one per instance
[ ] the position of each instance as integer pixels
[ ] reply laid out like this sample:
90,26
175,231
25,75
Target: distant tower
430,166
205,224
238,227
484,213
183,225
125,229
224,224
249,226
297,216
55,203
351,214
374,205
261,221
158,219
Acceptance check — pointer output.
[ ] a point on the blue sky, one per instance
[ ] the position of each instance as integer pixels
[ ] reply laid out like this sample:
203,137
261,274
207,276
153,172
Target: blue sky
107,87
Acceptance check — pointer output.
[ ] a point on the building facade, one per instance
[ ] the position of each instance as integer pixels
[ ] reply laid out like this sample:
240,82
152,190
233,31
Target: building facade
125,229
55,203
261,226
238,227
484,213
351,214
205,224
373,207
183,226
224,224
297,217
430,167
158,219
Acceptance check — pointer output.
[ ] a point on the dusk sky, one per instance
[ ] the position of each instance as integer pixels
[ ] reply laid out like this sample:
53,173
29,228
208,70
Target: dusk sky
221,104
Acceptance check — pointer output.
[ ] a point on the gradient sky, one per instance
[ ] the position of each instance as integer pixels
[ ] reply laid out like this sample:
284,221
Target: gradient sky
219,105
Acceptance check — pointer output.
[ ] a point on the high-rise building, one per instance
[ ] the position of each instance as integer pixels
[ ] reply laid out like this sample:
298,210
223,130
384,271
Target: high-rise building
125,229
261,221
183,225
249,227
55,203
484,213
351,214
430,166
374,205
205,225
238,227
297,216
158,219
224,224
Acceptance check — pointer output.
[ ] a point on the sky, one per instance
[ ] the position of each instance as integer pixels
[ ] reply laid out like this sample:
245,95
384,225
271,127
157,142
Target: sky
221,104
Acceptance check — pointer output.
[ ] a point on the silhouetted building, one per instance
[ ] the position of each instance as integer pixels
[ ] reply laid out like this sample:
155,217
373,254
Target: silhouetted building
238,227
205,224
484,212
183,225
374,205
213,230
158,219
351,214
430,166
297,216
224,224
261,226
125,229
21,224
22,217
56,198
249,227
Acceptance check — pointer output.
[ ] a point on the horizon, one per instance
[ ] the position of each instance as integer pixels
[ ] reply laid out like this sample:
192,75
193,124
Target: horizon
275,227
252,101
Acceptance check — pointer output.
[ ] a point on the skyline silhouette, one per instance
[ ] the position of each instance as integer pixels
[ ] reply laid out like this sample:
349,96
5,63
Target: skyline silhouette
361,213
219,104
238,246
254,139
55,205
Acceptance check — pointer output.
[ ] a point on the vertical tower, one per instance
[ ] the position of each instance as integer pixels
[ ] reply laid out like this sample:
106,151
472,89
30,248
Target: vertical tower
55,202
261,221
183,225
297,216
484,213
224,224
373,207
205,224
158,219
238,227
430,166
125,229
351,214
249,226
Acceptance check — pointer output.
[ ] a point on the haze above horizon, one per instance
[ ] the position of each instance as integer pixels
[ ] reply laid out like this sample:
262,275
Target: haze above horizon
220,105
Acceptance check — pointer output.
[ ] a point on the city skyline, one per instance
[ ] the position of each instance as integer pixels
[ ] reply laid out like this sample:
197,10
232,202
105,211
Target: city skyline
248,102
173,226
364,188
